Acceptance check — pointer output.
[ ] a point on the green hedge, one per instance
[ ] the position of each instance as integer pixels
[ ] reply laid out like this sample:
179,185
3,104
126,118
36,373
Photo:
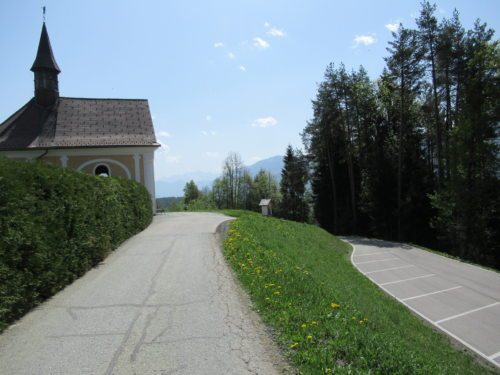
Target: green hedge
55,224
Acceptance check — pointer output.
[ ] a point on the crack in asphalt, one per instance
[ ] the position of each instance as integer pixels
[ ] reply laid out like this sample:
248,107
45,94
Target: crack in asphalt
150,293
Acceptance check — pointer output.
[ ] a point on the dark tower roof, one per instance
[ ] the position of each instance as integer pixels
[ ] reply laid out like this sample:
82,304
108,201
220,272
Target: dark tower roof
44,57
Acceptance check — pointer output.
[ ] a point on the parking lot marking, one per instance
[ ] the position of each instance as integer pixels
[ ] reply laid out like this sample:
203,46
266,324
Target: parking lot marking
430,294
389,269
493,356
365,255
425,317
466,313
411,278
378,260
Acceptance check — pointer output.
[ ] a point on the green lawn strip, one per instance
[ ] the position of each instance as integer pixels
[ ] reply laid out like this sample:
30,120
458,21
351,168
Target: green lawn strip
326,315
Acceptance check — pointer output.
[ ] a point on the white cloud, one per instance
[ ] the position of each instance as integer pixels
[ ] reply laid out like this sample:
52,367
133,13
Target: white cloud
164,154
276,32
208,117
264,122
392,26
218,45
212,154
231,55
163,146
209,132
173,159
242,68
366,40
164,134
260,43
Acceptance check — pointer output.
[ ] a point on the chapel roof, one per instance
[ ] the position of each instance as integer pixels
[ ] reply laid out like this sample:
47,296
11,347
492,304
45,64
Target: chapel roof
79,122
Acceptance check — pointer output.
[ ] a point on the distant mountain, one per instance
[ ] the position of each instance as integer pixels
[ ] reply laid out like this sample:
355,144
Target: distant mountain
173,186
273,164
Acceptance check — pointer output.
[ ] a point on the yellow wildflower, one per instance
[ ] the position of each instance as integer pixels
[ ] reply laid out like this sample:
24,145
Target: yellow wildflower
294,345
309,337
334,305
314,323
303,326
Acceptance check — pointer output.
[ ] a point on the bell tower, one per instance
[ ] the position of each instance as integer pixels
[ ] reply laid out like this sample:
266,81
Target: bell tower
46,71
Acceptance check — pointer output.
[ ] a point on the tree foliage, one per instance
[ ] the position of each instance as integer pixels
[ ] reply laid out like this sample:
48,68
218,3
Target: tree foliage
191,192
414,155
293,187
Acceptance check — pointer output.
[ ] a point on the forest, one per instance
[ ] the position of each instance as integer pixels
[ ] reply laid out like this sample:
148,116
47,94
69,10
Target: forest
413,156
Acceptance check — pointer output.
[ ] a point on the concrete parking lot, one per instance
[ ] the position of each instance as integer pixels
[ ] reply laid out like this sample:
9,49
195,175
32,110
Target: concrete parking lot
460,299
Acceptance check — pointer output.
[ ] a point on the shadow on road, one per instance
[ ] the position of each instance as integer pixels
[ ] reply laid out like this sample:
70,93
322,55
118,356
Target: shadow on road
375,242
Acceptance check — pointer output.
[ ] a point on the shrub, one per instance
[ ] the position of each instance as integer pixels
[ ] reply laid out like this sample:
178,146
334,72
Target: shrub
55,225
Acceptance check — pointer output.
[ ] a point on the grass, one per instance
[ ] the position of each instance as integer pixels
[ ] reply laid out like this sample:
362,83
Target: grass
326,316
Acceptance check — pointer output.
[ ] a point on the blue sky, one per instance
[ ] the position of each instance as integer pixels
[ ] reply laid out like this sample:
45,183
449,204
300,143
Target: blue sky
220,76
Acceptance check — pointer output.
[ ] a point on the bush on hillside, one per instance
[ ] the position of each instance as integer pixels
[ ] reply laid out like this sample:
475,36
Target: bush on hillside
56,224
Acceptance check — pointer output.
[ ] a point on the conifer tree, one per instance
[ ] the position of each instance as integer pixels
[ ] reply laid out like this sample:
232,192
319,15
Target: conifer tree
293,186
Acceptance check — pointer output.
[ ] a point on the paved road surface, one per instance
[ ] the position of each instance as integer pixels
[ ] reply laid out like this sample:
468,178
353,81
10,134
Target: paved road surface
163,303
458,298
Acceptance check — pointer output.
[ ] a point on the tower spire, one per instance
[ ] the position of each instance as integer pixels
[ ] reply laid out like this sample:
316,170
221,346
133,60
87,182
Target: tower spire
46,70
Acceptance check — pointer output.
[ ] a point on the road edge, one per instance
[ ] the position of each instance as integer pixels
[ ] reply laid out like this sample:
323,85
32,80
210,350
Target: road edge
274,350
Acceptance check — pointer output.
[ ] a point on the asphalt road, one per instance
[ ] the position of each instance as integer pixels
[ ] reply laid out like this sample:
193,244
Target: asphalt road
459,299
164,303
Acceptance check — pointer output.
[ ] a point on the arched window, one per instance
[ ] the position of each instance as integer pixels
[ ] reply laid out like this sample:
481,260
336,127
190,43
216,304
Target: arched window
102,170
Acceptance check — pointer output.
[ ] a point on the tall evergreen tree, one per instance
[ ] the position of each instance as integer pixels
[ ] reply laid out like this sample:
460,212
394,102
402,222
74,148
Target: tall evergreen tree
406,72
293,186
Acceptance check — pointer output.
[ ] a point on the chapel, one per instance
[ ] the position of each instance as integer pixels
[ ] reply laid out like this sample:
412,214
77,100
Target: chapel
104,137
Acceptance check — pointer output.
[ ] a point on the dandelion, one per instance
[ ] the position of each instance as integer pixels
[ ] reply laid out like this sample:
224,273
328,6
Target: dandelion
294,345
334,305
304,325
314,323
277,293
268,299
361,322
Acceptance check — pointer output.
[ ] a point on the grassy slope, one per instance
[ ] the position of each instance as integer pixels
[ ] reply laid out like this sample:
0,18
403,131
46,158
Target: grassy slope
327,316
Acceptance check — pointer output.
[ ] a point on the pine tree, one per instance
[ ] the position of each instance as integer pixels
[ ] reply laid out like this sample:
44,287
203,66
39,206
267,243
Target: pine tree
293,186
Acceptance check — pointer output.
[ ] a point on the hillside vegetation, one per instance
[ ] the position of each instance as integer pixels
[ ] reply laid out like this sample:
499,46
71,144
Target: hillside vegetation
326,316
56,224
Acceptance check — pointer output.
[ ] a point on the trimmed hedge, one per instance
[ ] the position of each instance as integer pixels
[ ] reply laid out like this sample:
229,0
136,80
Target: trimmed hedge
56,224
